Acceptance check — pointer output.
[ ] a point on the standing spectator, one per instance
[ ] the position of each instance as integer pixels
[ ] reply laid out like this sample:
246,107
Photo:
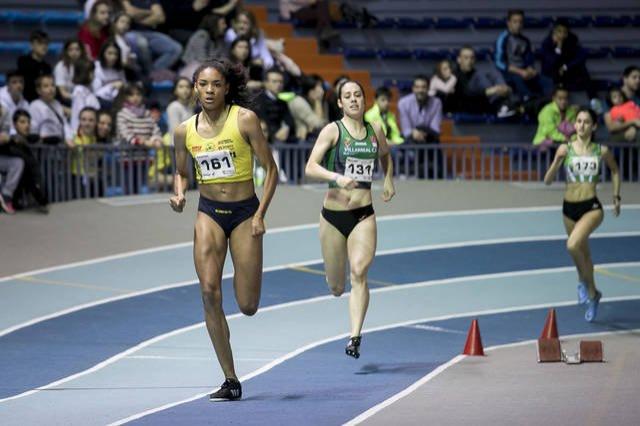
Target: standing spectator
380,113
205,43
11,98
564,62
82,96
72,52
514,58
310,12
181,108
420,119
135,125
480,91
443,84
13,167
109,75
105,127
156,52
274,111
555,120
623,119
309,110
245,24
631,84
47,115
95,30
33,65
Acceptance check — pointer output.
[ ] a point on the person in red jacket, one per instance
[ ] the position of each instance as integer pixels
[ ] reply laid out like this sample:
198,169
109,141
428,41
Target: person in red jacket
95,30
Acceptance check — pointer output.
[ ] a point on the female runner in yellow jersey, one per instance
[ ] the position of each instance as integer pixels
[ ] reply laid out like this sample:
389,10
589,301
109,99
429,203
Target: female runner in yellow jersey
581,209
222,139
344,155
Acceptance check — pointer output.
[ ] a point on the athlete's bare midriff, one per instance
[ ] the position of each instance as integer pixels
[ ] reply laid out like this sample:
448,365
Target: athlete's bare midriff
347,199
228,192
579,191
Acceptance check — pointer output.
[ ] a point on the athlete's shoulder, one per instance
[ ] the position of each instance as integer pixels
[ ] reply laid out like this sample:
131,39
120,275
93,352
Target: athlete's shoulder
246,114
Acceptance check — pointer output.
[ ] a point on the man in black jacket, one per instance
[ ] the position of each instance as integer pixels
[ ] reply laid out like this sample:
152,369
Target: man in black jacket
273,111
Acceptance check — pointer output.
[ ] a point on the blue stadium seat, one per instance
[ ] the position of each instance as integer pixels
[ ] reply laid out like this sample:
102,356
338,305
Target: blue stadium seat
343,25
576,21
21,47
626,52
386,23
484,54
26,18
485,22
537,22
635,21
597,52
433,54
353,53
395,53
445,23
414,24
3,79
604,21
465,117
54,17
51,17
163,85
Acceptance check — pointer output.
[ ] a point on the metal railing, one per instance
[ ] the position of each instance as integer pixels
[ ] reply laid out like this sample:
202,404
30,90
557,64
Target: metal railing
103,170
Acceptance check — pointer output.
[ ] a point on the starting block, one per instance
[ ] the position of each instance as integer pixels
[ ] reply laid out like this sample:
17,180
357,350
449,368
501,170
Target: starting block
549,350
591,351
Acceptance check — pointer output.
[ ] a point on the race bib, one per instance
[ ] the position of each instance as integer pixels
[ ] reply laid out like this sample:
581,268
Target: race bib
584,166
215,165
358,169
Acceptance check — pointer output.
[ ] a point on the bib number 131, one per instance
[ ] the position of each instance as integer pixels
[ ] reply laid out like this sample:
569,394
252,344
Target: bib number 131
218,164
358,169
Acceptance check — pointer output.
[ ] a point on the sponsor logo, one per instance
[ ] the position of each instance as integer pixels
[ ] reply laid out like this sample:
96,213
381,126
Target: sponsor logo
220,211
196,148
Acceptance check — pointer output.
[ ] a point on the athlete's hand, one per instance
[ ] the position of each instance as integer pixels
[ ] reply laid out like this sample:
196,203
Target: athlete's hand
257,226
388,192
616,207
177,203
346,182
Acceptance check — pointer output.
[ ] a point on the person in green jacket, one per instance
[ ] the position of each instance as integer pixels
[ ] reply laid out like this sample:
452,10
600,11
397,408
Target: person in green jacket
555,120
379,113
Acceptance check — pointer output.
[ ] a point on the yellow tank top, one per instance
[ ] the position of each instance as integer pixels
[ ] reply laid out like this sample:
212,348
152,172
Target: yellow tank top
225,158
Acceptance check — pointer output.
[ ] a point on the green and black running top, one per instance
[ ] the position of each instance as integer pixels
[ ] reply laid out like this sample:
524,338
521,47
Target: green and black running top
354,158
583,168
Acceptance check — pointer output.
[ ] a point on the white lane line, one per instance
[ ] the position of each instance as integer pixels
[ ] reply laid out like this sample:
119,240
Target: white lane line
391,400
298,351
192,358
313,261
298,228
436,329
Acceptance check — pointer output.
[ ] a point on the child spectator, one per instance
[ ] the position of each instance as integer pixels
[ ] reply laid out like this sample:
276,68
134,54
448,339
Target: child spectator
11,98
134,122
109,76
104,132
380,113
33,65
181,108
245,24
82,95
555,120
623,119
47,115
84,164
72,52
443,84
13,167
119,28
95,30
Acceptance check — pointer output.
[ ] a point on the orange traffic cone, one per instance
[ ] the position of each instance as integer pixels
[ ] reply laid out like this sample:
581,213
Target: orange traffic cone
473,346
550,330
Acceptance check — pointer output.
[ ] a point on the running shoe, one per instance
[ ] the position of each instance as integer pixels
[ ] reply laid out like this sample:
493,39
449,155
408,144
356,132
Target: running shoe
353,347
6,204
230,390
583,294
592,307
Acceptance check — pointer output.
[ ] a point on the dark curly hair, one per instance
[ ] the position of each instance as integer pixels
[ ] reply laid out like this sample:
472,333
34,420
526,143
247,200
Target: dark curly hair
234,74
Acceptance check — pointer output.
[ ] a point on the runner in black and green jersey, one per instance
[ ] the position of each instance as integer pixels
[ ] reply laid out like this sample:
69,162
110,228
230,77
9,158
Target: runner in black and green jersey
345,155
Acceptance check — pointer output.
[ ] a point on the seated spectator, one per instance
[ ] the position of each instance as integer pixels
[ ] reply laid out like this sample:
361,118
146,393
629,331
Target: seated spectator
309,110
443,84
555,120
33,65
48,120
183,17
480,91
5,125
623,119
31,183
205,43
116,7
310,12
156,52
11,98
12,167
119,29
240,53
134,123
84,163
182,106
245,24
631,84
564,62
514,58
72,52
105,127
94,32
274,111
420,119
109,75
380,113
82,95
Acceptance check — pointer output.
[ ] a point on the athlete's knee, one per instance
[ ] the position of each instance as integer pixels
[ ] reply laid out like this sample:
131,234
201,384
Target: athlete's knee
337,288
359,273
574,245
212,299
248,308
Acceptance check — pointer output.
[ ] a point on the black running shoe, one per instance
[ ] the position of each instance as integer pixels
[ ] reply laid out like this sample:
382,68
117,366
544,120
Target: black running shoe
230,390
353,348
